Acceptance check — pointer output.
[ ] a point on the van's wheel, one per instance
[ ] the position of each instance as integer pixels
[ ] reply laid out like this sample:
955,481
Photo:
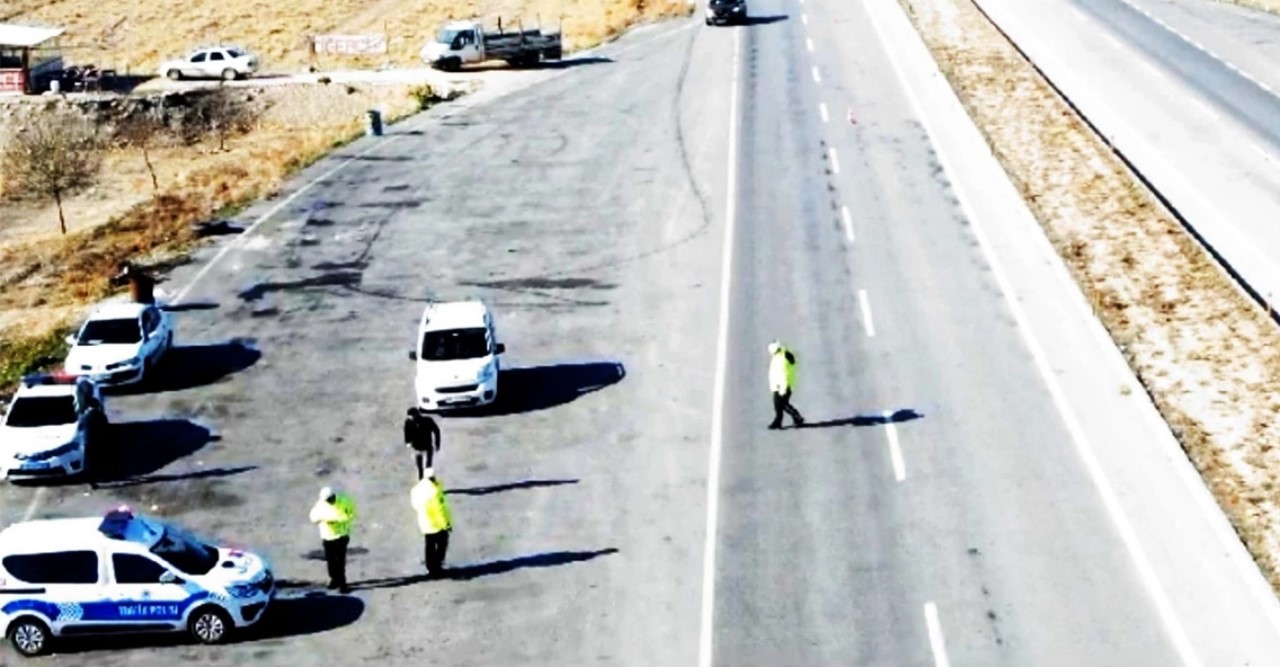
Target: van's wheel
29,636
209,625
174,75
229,74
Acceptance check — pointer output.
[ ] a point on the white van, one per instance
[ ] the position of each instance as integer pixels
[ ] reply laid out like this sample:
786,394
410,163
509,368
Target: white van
457,356
123,573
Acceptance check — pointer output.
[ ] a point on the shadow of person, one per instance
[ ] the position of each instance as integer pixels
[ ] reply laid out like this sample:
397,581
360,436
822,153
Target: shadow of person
540,387
869,419
510,486
475,571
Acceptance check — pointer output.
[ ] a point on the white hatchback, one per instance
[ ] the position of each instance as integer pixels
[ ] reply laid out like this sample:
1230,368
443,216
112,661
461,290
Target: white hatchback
457,356
120,342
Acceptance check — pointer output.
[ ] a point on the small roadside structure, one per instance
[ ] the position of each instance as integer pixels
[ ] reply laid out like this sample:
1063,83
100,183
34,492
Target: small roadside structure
30,58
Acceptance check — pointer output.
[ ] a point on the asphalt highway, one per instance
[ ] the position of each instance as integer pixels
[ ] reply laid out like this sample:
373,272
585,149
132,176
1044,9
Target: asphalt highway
644,221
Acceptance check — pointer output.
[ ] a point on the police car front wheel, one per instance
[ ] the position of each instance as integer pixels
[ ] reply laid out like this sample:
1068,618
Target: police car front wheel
210,625
29,636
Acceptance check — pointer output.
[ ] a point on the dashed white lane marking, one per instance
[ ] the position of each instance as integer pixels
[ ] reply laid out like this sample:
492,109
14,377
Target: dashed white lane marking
804,18
808,44
936,641
848,223
822,111
895,451
835,161
866,313
1199,47
722,360
1206,108
817,78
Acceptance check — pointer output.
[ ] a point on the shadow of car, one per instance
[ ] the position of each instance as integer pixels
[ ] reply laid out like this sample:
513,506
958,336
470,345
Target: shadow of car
535,388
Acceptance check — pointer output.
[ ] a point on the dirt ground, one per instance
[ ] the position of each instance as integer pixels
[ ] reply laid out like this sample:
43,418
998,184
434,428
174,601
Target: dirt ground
1207,354
299,124
1265,5
136,36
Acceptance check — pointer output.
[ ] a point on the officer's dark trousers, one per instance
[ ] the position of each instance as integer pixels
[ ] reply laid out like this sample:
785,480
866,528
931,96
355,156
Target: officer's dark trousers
423,459
436,546
335,557
781,404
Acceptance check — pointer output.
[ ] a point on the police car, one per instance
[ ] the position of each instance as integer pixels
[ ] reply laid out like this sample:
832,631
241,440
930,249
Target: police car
123,573
51,426
120,342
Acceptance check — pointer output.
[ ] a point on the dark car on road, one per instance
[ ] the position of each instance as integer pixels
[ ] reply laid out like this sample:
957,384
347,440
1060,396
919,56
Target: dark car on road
722,12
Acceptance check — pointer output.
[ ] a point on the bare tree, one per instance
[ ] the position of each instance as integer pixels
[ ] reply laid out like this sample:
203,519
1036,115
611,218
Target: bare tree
52,157
223,113
143,131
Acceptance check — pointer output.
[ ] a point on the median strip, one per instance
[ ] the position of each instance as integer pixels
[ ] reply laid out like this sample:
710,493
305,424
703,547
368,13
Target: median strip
1206,353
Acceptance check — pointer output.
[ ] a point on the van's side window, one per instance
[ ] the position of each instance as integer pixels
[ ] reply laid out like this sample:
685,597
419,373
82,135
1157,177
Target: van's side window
131,569
59,567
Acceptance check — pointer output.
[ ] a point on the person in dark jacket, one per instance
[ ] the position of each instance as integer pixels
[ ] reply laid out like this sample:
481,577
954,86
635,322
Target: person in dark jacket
422,436
141,285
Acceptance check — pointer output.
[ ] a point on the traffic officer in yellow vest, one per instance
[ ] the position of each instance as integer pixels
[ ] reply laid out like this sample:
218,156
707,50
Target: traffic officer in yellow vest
334,513
434,520
782,380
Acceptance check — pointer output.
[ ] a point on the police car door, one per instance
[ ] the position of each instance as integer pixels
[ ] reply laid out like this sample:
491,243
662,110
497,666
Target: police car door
146,594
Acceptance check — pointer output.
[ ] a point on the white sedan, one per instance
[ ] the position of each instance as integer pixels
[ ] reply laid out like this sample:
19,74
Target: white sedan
120,343
220,62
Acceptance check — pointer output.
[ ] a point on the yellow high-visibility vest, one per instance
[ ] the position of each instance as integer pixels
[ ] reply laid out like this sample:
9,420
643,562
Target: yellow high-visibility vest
427,498
782,371
334,519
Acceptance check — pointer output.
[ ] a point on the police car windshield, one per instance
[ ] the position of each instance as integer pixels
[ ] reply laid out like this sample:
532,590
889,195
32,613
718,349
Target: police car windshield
110,332
454,344
183,551
36,411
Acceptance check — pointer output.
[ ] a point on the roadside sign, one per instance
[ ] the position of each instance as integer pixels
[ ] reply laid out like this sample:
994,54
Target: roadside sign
349,45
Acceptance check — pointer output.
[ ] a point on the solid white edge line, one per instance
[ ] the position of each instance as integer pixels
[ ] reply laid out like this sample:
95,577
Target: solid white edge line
1146,572
865,304
817,78
848,223
722,360
835,160
936,640
822,110
895,451
34,504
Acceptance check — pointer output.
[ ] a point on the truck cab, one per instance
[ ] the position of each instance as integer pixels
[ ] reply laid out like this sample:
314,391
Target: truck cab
457,43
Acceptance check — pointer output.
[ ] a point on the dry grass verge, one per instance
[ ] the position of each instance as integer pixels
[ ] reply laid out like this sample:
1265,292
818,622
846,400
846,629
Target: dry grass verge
46,280
1272,6
1206,353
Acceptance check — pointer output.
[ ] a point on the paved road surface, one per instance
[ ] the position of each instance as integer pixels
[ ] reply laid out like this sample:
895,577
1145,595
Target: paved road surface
1203,133
590,208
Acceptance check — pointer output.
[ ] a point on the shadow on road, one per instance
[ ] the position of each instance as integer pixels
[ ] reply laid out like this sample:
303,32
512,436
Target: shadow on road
189,366
869,419
574,62
286,617
134,450
469,572
208,473
512,486
541,387
766,20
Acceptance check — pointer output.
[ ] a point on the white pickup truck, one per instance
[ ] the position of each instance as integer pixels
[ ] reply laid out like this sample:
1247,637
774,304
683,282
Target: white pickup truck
465,42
